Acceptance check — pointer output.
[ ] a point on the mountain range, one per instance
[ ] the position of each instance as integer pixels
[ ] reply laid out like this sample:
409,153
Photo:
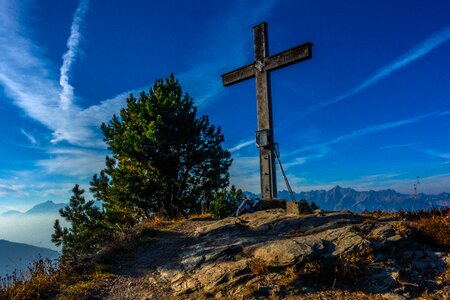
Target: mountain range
340,198
48,207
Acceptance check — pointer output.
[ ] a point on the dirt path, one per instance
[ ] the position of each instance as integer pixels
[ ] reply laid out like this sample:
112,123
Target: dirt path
140,277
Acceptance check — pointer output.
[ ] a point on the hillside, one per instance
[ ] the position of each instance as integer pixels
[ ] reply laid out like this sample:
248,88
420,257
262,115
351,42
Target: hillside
268,254
18,256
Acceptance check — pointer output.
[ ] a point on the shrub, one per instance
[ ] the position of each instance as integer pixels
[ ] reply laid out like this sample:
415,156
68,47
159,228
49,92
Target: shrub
225,203
435,229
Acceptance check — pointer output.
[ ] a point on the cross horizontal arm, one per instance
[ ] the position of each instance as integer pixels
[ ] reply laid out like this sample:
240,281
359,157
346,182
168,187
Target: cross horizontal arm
289,57
238,75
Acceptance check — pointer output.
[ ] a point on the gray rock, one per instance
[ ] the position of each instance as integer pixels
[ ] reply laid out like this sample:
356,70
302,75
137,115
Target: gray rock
222,262
392,296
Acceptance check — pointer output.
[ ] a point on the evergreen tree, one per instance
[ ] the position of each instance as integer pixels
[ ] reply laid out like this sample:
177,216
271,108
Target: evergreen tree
164,158
314,206
304,206
226,203
85,233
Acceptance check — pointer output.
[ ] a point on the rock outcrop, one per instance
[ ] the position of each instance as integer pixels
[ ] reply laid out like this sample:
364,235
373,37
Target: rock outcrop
269,252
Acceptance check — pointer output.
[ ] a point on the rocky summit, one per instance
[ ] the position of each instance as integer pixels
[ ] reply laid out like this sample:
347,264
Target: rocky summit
269,254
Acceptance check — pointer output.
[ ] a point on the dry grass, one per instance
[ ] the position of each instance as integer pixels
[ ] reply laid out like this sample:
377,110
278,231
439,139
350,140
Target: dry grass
435,229
82,277
337,295
44,276
432,226
258,267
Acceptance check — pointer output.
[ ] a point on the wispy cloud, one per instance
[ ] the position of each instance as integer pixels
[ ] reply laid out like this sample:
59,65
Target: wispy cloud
29,136
397,146
66,95
307,154
360,132
7,188
28,78
22,189
79,163
243,176
413,54
381,127
244,173
415,144
242,145
435,153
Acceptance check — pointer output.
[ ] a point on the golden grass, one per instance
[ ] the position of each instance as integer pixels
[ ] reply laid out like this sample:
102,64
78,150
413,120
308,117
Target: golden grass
436,229
432,226
82,277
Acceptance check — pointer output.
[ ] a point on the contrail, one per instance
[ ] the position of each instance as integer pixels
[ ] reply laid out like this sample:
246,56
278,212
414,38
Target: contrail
415,53
66,94
242,145
366,131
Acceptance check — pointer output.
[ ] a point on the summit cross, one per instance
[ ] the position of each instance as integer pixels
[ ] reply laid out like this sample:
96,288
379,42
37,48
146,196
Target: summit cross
261,69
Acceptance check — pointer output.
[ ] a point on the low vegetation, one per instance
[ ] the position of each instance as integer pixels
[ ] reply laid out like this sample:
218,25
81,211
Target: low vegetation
164,160
226,202
82,277
431,226
168,164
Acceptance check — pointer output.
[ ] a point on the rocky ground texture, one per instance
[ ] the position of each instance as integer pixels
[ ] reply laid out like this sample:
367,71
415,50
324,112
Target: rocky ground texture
269,254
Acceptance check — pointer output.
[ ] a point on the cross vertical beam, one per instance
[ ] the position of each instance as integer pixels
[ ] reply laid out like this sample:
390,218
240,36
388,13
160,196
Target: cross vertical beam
260,69
264,109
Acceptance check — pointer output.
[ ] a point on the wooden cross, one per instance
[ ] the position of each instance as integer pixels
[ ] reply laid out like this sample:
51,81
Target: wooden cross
261,69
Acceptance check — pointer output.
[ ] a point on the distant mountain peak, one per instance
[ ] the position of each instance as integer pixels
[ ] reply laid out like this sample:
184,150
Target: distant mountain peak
46,207
10,213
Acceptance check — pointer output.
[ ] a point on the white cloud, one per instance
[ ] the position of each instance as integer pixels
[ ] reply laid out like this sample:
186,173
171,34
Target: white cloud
9,188
435,153
362,132
241,145
66,95
29,81
80,163
397,146
244,173
20,190
242,176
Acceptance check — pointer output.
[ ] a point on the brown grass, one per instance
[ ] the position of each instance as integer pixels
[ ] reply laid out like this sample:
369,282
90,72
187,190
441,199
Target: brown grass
83,277
44,276
435,229
258,267
432,226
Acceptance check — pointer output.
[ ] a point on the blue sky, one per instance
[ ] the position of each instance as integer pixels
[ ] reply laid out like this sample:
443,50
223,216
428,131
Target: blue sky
371,110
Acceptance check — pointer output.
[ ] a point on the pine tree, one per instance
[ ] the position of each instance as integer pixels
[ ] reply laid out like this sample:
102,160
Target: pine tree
86,232
314,206
164,158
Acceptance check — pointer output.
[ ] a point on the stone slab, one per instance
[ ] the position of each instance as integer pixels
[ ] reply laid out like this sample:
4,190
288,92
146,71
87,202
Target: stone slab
272,204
